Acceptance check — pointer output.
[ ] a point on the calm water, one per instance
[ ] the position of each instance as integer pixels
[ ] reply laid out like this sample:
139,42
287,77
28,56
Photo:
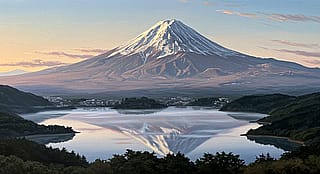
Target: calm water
191,130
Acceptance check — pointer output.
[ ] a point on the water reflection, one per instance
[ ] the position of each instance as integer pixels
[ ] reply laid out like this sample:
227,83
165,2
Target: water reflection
246,116
53,138
283,143
187,130
168,131
42,116
137,111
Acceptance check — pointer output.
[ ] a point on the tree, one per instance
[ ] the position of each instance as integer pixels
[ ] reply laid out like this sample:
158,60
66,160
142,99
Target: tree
134,162
176,164
224,163
264,158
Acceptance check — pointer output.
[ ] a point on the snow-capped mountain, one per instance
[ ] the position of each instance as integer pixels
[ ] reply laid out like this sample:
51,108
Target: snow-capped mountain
170,37
171,57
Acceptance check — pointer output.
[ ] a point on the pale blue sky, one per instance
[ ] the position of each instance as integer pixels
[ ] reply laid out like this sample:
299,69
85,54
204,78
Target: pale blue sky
45,29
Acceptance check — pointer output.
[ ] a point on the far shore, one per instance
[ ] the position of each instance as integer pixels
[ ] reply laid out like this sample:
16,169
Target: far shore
278,137
47,135
50,138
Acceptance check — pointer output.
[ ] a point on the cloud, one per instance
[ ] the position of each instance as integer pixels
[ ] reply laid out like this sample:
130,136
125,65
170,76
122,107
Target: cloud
184,1
233,5
313,61
35,63
296,44
60,53
229,12
265,48
296,52
300,53
207,3
90,50
289,17
274,16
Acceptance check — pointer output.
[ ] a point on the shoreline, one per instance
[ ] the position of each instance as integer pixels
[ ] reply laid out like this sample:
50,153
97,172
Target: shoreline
276,137
47,135
50,138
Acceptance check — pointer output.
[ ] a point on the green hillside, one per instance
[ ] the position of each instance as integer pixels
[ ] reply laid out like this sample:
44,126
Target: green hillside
299,120
258,103
12,125
15,101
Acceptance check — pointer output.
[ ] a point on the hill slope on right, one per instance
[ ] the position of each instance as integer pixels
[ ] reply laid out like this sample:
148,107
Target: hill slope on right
293,117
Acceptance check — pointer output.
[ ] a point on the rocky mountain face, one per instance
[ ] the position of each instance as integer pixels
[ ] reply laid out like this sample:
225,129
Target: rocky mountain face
170,56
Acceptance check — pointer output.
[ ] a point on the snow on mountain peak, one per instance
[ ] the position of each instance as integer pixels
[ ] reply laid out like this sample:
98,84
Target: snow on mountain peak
169,37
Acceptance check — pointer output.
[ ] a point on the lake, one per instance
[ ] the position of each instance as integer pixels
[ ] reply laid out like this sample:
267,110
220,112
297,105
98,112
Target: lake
190,130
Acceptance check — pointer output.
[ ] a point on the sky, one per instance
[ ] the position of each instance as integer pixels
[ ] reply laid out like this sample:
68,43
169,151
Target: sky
39,34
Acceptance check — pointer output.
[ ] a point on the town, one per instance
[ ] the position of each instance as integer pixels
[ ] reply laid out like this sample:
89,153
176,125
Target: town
215,102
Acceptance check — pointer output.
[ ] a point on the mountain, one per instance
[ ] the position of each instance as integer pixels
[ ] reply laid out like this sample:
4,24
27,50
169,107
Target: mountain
170,37
12,73
15,101
171,58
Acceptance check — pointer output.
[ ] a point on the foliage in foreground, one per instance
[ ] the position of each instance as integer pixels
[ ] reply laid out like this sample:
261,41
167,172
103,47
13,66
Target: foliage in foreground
31,151
22,156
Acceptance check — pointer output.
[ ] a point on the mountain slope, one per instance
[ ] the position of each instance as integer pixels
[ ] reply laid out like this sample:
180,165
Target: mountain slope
298,120
258,103
170,57
13,100
12,125
170,37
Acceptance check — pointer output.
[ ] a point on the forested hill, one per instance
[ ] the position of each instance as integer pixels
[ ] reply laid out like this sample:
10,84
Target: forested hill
12,125
295,117
15,101
299,120
139,103
258,103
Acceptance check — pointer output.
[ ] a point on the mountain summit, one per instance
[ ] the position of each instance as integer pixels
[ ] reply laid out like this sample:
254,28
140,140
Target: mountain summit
171,58
169,37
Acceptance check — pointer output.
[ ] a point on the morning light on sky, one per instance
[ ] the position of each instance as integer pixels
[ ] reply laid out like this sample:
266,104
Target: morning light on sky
39,34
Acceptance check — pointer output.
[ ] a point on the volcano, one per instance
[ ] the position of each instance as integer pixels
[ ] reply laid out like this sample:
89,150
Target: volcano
171,58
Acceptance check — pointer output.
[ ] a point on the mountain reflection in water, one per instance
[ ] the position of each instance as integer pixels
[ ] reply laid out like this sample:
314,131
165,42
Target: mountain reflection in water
187,130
